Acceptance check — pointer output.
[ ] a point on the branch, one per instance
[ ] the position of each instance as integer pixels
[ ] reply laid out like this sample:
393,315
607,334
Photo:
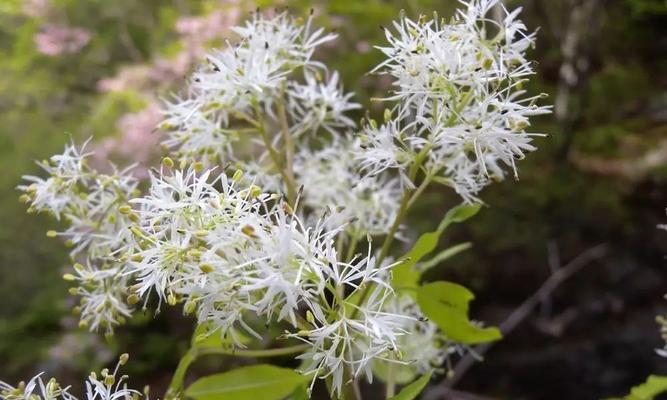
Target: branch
520,314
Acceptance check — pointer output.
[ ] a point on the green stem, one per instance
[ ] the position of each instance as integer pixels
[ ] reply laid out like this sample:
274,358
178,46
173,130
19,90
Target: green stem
281,351
420,190
402,211
289,153
275,157
391,381
354,240
176,384
405,203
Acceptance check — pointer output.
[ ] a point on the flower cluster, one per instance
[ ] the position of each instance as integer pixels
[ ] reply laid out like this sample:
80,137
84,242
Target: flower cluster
230,253
256,221
249,75
331,176
92,204
462,113
107,386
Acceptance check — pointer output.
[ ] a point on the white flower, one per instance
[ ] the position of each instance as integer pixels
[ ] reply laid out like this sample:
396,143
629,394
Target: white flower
108,386
224,251
351,340
246,75
58,191
196,130
332,182
461,110
103,292
94,206
383,147
36,388
315,104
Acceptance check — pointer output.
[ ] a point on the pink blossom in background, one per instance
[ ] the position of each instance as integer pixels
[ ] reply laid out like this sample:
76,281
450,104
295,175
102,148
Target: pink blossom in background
195,33
161,73
138,140
363,47
54,40
138,137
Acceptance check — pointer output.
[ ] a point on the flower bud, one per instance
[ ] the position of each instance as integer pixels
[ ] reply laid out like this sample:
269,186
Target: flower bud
125,209
168,162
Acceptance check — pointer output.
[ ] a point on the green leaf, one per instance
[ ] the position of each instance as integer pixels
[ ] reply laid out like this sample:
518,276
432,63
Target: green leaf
300,393
446,304
654,385
459,214
411,391
257,382
405,274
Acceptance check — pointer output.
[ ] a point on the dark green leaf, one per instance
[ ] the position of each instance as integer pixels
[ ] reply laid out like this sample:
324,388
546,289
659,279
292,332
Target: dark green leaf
258,382
411,391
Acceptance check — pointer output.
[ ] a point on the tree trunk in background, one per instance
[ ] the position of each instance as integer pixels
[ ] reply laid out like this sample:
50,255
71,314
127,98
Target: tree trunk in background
576,44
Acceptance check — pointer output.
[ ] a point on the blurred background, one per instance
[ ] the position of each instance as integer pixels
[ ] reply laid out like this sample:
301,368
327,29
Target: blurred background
80,68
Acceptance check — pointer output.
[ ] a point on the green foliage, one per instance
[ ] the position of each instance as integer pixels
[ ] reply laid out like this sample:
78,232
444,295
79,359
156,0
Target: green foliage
648,390
446,304
258,382
411,391
405,275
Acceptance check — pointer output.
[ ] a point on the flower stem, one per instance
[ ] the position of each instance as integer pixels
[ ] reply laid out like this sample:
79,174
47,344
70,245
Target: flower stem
354,240
406,202
289,152
275,157
391,381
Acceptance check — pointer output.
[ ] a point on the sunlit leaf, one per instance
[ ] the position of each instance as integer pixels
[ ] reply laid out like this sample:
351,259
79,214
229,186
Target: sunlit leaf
654,385
446,304
257,382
